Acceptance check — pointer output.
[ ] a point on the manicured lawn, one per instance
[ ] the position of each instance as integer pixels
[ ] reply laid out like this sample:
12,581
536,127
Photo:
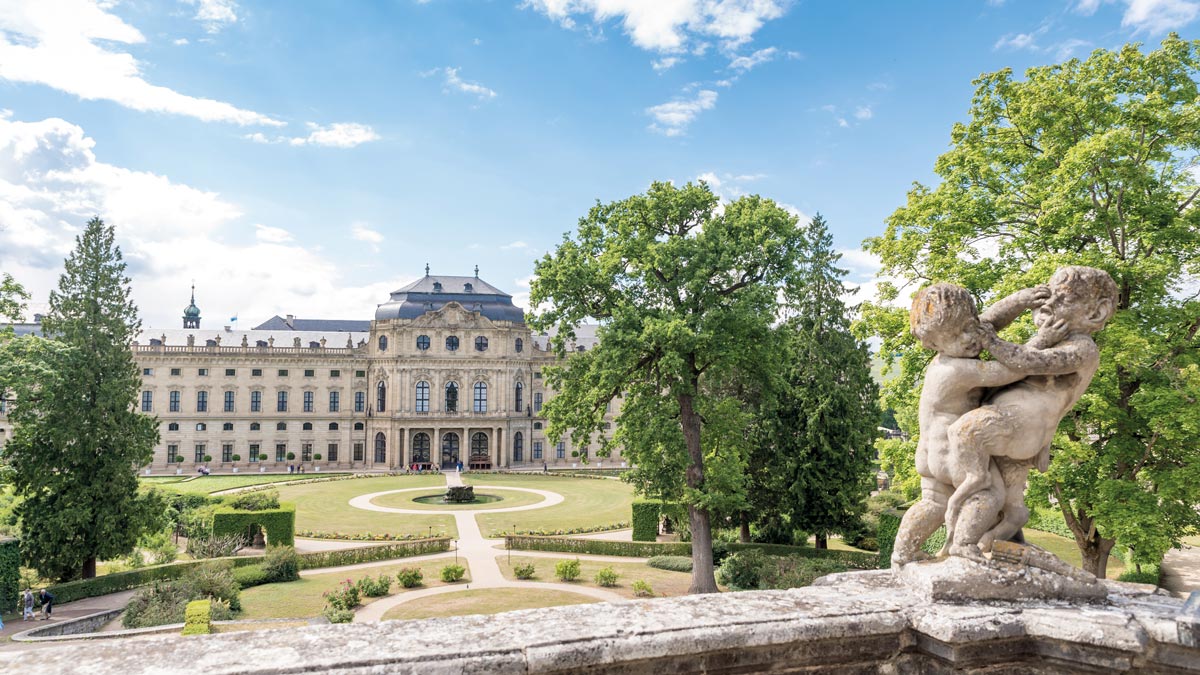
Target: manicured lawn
485,601
664,582
210,484
589,503
301,599
1068,551
325,507
404,500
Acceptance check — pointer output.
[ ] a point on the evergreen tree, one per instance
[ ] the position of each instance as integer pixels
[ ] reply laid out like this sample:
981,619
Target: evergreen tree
827,414
78,439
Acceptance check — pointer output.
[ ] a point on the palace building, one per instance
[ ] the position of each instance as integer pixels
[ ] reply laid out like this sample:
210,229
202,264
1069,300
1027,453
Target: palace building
446,372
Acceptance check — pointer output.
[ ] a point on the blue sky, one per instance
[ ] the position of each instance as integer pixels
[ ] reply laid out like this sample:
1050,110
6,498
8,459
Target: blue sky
308,158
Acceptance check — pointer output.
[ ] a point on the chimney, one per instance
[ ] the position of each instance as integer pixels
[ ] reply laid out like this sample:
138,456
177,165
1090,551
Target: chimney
37,318
228,329
289,319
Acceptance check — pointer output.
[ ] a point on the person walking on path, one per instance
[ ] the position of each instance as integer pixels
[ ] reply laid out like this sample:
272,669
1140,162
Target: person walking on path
47,602
27,602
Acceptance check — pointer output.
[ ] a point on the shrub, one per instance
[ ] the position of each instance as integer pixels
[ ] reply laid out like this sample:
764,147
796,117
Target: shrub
123,581
260,500
642,589
794,572
215,580
889,526
252,575
868,544
291,456
161,547
338,615
215,546
197,521
526,571
606,577
281,563
262,457
197,618
452,573
742,570
852,559
279,524
375,588
675,563
207,459
567,570
645,519
1147,574
354,556
236,458
344,597
410,577
166,602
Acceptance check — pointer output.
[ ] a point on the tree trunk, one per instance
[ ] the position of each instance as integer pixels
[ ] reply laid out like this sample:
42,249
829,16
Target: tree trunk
1093,548
89,568
744,533
822,540
1095,555
703,579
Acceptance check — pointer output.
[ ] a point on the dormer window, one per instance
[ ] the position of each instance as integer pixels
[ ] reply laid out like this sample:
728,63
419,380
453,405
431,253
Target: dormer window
437,287
468,288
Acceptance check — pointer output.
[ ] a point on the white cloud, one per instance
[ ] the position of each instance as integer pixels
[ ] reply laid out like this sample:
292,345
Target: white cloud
670,25
453,82
673,118
215,14
1016,41
337,135
51,183
1087,7
516,245
863,112
744,63
1159,16
1066,49
257,137
841,122
73,46
666,63
711,178
179,42
360,232
729,186
272,235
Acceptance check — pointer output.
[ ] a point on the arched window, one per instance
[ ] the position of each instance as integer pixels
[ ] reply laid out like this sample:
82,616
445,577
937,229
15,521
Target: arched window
381,397
481,397
281,426
380,448
333,426
452,343
449,449
173,426
358,426
420,448
520,396
201,426
423,342
383,343
481,344
422,396
307,426
228,426
451,397
255,426
518,447
479,448
520,345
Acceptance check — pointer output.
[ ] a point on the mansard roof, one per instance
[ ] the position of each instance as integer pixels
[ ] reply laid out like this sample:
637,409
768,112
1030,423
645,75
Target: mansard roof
315,325
433,292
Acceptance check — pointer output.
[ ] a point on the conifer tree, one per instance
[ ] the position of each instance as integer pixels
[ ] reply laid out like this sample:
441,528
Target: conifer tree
78,439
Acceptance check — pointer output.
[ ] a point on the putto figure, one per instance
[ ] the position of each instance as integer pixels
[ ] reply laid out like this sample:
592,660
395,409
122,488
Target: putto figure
984,424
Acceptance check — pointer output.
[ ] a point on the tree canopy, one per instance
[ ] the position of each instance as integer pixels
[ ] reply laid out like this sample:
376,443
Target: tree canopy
1087,162
77,438
685,291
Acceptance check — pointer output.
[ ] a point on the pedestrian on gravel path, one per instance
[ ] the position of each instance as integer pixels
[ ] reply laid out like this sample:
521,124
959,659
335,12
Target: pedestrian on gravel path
47,603
27,603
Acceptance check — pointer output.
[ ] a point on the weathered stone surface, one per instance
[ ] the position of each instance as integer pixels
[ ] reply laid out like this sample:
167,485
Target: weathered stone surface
962,580
847,624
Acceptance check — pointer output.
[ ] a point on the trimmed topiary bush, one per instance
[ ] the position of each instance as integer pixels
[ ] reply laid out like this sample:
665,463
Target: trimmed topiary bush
197,618
10,572
258,500
675,563
410,577
279,524
645,519
607,577
889,525
524,572
252,575
567,570
452,573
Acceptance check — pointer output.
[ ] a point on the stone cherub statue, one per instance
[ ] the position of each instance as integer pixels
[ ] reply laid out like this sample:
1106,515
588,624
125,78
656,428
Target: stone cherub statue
984,424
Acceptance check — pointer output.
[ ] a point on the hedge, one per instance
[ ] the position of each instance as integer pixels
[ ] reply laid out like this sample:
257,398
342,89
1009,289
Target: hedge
353,556
197,618
10,572
889,526
645,519
853,559
123,581
279,524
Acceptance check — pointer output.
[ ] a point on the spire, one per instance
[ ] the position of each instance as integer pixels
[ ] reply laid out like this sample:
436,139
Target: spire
477,271
191,313
426,269
194,286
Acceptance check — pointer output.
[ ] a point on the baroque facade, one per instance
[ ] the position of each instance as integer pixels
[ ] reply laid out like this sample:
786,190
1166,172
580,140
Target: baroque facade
446,372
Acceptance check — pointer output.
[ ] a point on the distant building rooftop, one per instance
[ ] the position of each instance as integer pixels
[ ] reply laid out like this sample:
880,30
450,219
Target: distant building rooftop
431,293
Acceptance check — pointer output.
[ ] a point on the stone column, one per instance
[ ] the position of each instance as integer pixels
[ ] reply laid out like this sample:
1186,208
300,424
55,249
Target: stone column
402,449
435,449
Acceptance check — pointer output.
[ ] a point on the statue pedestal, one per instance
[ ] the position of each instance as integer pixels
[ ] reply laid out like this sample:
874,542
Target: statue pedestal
961,580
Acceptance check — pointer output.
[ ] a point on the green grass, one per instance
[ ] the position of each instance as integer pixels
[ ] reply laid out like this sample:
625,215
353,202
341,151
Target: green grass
665,583
589,502
404,500
301,599
1067,550
485,601
210,484
325,507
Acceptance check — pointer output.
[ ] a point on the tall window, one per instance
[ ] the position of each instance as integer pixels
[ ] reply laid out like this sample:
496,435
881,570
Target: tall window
174,402
202,401
480,397
308,401
147,401
420,448
451,397
306,452
199,456
229,401
518,447
479,448
358,452
380,448
382,343
520,396
537,402
360,401
280,452
560,450
335,401
227,452
256,401
537,450
520,345
331,452
422,396
381,397
281,402
173,454
255,452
